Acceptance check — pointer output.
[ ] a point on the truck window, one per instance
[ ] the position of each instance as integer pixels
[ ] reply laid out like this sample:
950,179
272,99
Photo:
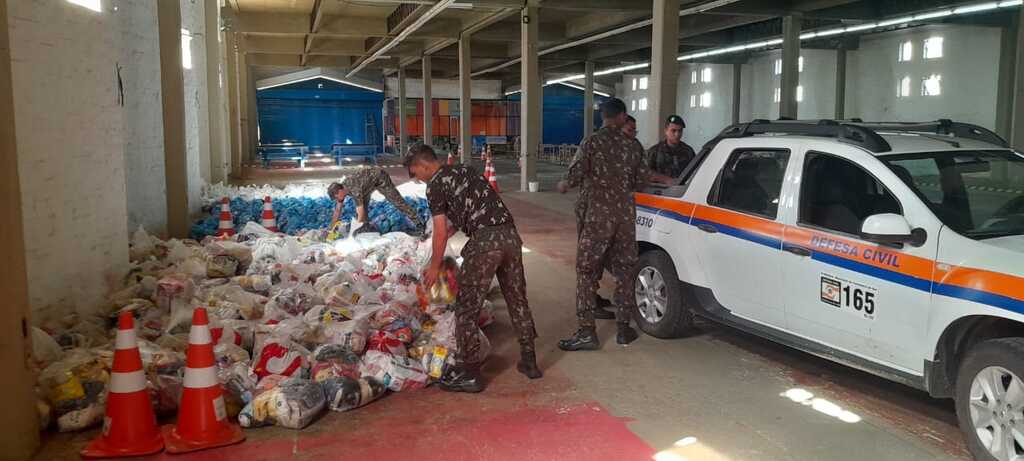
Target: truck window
751,181
838,195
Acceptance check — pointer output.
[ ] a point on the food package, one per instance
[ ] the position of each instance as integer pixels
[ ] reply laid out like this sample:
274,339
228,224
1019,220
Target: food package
351,335
239,381
345,393
279,356
294,300
221,266
394,372
239,251
255,283
331,360
45,349
172,287
81,419
444,335
293,404
75,382
438,361
385,341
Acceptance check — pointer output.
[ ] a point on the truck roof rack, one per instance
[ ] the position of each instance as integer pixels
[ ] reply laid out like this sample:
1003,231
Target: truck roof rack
860,133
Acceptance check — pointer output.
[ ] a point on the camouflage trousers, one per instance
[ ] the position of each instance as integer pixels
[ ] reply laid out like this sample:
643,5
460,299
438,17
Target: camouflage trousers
491,251
386,187
607,244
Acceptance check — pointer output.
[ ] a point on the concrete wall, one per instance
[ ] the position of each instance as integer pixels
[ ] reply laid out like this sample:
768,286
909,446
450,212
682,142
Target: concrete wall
644,118
197,114
446,89
71,159
969,70
142,115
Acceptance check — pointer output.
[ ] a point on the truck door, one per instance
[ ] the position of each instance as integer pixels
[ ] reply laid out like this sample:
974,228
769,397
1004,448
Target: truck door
739,236
844,292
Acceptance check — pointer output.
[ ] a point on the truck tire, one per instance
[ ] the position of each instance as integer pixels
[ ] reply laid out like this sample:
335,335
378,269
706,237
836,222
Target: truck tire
983,407
662,310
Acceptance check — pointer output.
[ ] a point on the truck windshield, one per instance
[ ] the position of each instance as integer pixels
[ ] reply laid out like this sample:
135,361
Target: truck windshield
979,194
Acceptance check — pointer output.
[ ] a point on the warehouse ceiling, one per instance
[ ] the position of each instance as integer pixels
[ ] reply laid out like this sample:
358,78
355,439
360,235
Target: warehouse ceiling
371,38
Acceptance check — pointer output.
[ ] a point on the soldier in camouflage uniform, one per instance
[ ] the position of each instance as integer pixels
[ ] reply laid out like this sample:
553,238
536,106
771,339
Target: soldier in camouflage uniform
463,196
360,185
608,168
670,156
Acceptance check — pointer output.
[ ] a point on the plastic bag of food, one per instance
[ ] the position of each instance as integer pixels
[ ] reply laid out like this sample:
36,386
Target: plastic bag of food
294,300
165,391
345,393
81,419
331,360
351,335
396,373
239,385
254,283
173,287
141,246
385,341
280,356
45,349
294,403
221,266
241,252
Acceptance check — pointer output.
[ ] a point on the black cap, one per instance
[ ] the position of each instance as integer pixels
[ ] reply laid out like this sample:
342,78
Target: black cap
612,107
675,120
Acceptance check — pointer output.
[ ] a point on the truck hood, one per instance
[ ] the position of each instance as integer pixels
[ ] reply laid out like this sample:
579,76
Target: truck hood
1013,243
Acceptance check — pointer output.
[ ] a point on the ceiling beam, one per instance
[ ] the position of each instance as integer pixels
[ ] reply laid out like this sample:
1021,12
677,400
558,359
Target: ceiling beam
315,18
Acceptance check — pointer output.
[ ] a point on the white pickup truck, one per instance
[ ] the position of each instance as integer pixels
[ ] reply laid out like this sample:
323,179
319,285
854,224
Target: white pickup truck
894,248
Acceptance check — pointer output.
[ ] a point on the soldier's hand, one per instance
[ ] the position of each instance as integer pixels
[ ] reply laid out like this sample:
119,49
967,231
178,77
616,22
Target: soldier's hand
430,277
563,186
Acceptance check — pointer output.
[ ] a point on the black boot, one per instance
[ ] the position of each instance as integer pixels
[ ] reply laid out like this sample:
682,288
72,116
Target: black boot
585,339
462,379
528,365
601,312
626,334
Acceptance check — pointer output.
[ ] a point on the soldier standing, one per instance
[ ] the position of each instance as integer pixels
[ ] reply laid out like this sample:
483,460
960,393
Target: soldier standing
608,168
361,185
461,195
670,156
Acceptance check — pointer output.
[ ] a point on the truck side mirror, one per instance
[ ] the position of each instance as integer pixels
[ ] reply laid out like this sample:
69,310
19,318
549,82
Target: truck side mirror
891,229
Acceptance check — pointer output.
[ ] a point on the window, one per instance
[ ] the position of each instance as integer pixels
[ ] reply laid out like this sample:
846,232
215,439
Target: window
634,84
643,83
643,104
693,100
95,5
799,65
838,195
705,75
933,48
632,105
931,85
693,77
186,49
705,99
976,193
750,182
903,89
906,51
777,97
800,93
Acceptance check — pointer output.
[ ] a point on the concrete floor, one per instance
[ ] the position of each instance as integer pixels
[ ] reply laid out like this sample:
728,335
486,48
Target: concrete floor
719,393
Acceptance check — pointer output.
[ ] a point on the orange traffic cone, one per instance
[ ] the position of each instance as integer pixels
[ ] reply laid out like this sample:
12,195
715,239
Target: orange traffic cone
227,226
269,222
129,428
492,177
202,418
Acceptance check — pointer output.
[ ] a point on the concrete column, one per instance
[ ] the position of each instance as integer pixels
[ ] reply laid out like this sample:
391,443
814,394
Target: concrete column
403,143
172,95
737,90
252,116
530,108
465,100
588,100
19,426
664,67
234,153
242,74
1004,86
428,103
215,93
840,83
1017,126
790,65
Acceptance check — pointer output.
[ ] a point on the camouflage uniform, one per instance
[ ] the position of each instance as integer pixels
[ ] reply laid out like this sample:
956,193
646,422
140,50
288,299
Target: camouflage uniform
494,248
361,184
608,168
669,161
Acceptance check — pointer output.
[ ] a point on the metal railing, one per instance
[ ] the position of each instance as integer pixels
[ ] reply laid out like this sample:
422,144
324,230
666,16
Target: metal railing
559,154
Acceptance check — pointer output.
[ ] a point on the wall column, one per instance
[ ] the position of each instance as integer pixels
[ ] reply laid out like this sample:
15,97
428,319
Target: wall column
1017,126
840,83
252,116
588,100
19,426
530,105
790,65
428,103
172,96
215,93
737,91
1005,82
664,67
465,100
403,142
242,85
234,138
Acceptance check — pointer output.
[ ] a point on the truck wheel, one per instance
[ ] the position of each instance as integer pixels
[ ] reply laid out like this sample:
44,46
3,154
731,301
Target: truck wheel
990,399
661,308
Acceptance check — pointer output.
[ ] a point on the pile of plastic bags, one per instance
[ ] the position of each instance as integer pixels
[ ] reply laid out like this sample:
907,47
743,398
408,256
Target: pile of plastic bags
301,325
